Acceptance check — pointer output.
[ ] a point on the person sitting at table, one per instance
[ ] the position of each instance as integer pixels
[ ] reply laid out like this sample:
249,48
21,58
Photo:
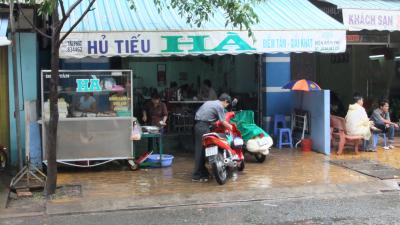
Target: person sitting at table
207,92
87,103
155,112
170,93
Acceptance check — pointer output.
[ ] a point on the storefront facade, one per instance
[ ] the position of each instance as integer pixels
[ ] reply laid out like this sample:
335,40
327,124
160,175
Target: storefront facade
143,41
369,65
114,37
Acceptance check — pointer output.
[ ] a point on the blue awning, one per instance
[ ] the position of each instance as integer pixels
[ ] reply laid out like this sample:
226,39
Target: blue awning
285,26
379,15
3,32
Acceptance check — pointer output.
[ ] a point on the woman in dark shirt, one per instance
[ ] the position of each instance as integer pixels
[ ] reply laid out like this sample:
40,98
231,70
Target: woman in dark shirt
155,112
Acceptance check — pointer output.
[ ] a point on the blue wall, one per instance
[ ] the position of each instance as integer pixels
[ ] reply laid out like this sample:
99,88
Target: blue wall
276,100
27,80
317,103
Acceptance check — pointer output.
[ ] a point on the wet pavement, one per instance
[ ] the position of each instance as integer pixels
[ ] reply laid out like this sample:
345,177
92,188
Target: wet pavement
286,174
283,168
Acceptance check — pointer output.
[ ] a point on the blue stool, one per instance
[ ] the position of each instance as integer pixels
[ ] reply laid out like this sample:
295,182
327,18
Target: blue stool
279,119
282,132
375,139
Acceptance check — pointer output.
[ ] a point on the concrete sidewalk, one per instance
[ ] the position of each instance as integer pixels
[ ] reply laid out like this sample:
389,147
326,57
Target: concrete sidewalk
286,174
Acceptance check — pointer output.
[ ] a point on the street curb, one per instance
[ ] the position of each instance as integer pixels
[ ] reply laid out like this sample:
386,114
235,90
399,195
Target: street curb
89,206
4,214
81,206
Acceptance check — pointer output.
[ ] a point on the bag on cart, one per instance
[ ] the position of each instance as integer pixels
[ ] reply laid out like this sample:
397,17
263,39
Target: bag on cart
136,133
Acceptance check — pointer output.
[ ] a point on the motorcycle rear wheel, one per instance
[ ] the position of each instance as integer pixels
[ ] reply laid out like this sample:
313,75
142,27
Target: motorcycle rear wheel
219,169
260,157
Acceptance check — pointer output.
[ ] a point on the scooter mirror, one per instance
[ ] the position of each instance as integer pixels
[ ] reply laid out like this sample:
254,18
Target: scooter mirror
234,102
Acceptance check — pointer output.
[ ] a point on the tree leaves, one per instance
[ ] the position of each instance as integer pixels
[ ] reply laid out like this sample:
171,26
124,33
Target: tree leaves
238,13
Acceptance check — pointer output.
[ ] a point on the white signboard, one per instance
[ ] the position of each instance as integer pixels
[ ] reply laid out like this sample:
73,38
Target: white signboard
359,19
154,44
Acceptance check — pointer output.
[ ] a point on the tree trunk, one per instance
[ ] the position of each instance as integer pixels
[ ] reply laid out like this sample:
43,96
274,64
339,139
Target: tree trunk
51,149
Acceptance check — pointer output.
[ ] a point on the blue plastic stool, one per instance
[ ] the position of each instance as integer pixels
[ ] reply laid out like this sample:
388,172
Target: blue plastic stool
375,139
282,132
278,118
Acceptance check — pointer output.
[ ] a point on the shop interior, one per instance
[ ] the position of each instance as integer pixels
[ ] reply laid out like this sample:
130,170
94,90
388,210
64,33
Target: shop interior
371,69
179,81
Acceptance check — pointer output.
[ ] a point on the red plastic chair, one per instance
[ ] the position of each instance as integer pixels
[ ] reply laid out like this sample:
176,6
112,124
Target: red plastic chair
338,130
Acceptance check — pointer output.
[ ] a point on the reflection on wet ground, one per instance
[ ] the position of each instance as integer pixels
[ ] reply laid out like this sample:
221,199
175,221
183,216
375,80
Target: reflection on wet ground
283,168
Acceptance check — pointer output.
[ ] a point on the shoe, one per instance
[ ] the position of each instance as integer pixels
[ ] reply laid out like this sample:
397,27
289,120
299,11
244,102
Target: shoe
391,146
386,148
371,150
200,180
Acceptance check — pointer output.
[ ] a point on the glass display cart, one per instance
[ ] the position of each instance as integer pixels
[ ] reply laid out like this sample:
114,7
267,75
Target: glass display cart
95,116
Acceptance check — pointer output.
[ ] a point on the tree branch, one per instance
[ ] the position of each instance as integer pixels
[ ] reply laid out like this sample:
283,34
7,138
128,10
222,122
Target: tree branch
68,13
62,8
31,24
89,8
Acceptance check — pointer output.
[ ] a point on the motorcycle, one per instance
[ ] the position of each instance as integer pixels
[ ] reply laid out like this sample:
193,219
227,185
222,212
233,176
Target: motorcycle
224,151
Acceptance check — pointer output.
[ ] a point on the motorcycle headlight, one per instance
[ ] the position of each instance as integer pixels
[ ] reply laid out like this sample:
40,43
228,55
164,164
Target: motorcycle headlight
238,142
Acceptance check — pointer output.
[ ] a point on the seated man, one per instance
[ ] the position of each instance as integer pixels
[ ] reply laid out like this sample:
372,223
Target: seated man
357,121
381,119
87,103
207,92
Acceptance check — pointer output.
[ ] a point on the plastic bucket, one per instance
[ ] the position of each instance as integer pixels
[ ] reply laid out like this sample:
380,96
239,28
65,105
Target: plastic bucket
154,160
306,145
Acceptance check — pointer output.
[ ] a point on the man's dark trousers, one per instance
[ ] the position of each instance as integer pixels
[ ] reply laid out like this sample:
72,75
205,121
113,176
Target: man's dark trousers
200,171
388,130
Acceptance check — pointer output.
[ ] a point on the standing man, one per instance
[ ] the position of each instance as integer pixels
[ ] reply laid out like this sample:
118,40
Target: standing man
155,112
208,113
381,118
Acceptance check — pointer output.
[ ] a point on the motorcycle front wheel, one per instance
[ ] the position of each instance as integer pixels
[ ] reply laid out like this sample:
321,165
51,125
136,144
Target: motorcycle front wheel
219,169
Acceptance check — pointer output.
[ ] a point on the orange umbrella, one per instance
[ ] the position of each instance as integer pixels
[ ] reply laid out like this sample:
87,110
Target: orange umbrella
302,85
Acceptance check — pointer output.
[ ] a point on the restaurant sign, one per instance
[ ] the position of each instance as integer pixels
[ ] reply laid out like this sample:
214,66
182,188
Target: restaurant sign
367,39
88,85
360,19
154,44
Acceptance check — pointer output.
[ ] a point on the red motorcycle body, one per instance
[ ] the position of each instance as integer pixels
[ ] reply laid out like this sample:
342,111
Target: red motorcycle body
224,150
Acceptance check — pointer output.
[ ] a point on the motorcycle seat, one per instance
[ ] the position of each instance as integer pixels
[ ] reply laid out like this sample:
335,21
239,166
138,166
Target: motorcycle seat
218,135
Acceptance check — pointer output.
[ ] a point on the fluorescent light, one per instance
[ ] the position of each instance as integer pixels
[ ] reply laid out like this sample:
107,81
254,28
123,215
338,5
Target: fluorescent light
397,58
4,41
376,57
